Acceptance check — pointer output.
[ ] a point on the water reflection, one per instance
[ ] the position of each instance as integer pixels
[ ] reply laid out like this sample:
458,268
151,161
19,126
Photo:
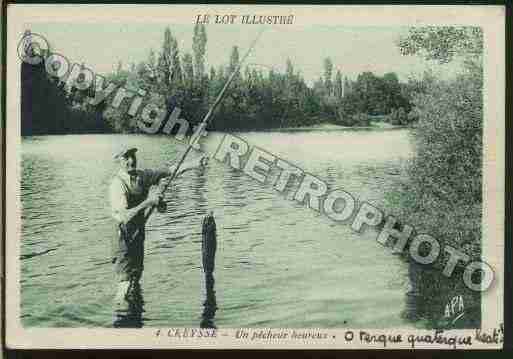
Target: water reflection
210,303
208,251
199,185
128,313
413,309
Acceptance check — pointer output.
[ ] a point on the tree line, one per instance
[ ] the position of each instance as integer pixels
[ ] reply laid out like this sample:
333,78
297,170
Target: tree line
259,97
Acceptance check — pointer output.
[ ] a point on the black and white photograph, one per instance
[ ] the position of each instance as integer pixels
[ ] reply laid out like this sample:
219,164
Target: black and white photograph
254,176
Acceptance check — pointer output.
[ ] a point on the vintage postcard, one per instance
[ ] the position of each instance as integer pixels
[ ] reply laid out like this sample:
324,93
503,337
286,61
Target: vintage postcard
195,176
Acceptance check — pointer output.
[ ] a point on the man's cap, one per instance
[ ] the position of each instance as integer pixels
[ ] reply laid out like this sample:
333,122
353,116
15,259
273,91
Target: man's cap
124,151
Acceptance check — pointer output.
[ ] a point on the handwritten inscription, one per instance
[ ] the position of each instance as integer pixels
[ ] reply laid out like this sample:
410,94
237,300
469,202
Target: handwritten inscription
383,339
439,338
496,337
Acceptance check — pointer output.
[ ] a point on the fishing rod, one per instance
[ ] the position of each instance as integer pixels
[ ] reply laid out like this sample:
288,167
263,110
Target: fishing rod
197,134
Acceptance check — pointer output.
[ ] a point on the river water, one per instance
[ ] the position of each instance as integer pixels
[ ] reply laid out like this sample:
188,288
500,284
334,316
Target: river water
278,263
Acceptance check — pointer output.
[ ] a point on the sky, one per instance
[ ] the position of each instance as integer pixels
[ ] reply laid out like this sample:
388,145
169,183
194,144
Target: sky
353,50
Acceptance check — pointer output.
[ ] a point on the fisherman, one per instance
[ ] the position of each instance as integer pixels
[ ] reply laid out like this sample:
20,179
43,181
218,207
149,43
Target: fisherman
132,193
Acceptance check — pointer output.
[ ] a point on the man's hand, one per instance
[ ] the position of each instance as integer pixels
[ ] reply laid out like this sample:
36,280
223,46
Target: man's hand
154,195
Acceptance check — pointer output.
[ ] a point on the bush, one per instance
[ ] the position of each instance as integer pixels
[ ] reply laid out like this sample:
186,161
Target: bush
448,140
398,117
361,119
443,195
345,118
412,117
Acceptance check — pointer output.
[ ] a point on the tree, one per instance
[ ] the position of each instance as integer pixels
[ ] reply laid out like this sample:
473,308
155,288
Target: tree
176,73
347,87
144,77
150,67
443,43
169,68
188,70
119,67
393,93
318,87
234,59
164,63
328,69
152,62
446,171
199,43
338,87
289,70
366,91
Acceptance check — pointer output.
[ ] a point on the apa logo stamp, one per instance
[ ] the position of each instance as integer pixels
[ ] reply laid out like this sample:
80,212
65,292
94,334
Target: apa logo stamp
454,309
